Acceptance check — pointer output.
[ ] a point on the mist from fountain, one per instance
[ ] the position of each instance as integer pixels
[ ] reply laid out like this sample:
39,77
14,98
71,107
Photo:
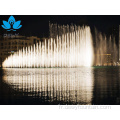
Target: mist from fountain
71,46
105,50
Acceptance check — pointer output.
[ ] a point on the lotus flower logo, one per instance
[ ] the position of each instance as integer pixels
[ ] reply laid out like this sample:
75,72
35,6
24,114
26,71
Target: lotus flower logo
11,24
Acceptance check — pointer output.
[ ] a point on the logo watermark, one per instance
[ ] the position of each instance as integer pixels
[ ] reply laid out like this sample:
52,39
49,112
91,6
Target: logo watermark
77,107
11,25
10,35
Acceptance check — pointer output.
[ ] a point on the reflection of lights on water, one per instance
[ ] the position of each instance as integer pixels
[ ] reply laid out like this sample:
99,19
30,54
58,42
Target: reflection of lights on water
67,84
71,49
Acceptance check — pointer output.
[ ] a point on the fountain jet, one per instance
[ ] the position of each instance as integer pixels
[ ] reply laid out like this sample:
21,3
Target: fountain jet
71,46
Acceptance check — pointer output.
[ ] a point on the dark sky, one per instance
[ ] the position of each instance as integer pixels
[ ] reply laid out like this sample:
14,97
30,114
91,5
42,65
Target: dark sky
38,25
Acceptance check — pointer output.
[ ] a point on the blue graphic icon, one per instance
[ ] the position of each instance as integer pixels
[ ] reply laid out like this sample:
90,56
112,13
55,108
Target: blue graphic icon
11,24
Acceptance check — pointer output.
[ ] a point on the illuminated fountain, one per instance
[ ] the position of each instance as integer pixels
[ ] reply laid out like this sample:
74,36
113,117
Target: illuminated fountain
106,50
71,47
67,46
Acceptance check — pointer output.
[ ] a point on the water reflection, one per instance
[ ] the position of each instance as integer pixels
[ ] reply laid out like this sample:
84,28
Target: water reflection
85,85
52,85
106,86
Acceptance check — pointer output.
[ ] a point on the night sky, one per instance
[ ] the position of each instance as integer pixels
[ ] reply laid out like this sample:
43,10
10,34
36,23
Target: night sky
38,25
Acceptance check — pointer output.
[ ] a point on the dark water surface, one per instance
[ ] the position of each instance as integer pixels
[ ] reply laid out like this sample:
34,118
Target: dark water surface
85,85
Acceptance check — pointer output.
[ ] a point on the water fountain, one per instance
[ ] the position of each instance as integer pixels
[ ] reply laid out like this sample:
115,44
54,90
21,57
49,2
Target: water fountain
106,50
69,46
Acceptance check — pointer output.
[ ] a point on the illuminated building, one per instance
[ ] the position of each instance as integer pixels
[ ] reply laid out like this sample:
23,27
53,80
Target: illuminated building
9,45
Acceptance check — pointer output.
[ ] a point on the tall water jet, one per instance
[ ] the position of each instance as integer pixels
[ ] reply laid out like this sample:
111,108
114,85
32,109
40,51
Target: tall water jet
106,50
69,46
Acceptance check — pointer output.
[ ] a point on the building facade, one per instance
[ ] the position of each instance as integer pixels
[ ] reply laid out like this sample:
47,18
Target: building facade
9,45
